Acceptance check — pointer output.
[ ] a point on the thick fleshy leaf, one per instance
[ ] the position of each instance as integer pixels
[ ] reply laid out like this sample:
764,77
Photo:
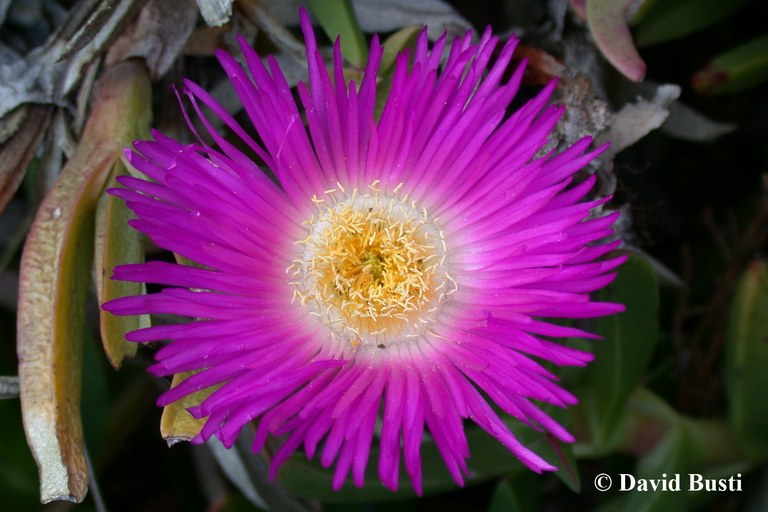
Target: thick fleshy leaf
176,424
650,420
668,442
735,70
561,455
607,20
672,19
394,44
116,244
622,358
666,446
747,360
337,17
55,277
676,454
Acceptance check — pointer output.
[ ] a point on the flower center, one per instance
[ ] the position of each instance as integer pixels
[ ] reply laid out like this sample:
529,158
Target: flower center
373,267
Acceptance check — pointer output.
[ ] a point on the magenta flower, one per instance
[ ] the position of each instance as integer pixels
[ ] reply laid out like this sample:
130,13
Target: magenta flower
395,272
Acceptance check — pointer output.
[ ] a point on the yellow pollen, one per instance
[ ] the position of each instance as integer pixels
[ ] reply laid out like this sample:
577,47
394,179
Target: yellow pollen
372,268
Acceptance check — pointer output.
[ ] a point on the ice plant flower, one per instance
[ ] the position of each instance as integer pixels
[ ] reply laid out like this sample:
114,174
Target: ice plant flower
396,270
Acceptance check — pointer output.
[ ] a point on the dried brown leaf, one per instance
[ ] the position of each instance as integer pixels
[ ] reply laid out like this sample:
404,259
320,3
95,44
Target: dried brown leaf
10,123
50,72
17,152
215,12
55,280
542,66
158,34
204,41
635,120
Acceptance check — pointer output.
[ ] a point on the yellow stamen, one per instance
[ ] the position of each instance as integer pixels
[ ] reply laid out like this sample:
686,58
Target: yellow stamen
373,266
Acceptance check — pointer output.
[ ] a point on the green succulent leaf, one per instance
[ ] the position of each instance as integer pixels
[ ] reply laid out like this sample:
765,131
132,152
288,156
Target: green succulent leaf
735,70
396,43
747,360
672,19
337,17
676,454
622,358
563,457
